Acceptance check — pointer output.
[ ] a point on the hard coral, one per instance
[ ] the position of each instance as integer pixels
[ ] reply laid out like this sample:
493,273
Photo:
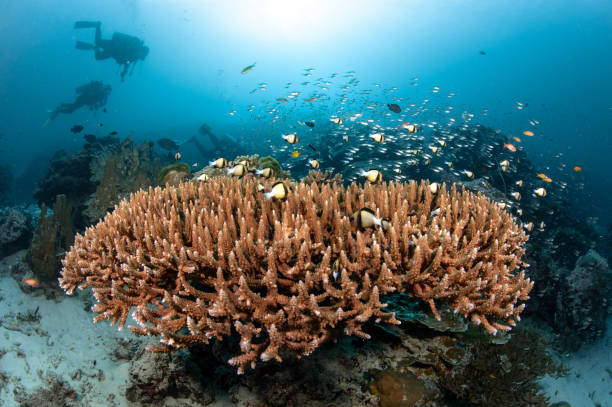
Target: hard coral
199,261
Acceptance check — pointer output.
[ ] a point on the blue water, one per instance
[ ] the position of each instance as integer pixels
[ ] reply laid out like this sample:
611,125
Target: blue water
552,55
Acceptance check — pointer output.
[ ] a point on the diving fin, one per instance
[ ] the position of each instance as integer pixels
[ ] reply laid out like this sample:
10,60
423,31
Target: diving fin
84,45
86,24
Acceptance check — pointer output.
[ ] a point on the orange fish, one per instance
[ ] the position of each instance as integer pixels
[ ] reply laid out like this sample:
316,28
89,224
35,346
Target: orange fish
577,169
510,147
528,133
295,154
542,176
518,140
546,179
32,282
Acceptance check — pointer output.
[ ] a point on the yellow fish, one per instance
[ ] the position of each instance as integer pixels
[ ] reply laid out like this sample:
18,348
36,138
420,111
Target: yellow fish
295,154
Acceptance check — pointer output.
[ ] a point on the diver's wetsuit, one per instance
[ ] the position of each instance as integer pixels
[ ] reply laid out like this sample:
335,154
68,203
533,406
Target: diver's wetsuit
94,94
125,49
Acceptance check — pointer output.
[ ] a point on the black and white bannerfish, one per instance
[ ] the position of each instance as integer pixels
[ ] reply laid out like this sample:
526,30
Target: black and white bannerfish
314,163
237,171
366,218
378,137
203,177
266,172
218,163
412,128
541,192
291,138
279,191
374,176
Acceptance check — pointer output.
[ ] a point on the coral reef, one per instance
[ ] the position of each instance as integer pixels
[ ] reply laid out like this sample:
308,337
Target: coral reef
504,375
98,176
178,167
288,275
68,175
253,162
270,162
320,177
582,302
161,379
15,231
127,169
397,389
53,236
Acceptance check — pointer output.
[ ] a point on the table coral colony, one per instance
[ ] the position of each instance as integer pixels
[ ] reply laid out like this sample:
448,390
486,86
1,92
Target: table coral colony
204,259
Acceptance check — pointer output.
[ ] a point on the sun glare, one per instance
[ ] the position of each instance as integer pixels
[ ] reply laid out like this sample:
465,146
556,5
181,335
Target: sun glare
295,21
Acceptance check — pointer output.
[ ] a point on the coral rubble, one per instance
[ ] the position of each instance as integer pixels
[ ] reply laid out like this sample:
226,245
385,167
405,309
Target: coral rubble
204,260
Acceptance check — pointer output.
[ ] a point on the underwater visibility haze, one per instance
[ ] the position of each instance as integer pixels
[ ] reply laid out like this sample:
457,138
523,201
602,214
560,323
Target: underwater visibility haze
291,203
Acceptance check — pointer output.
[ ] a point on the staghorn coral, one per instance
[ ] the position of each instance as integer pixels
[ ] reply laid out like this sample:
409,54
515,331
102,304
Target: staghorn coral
320,177
201,260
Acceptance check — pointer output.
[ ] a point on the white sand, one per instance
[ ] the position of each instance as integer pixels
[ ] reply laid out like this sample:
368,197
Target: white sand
590,380
68,347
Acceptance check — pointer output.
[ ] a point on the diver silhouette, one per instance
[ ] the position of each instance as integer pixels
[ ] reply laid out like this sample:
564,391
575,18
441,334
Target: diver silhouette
93,94
125,49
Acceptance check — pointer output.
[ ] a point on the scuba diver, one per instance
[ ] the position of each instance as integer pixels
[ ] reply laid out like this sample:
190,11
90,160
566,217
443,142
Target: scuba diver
93,94
125,49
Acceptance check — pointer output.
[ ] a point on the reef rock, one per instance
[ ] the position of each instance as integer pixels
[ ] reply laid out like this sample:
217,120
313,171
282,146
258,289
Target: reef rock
165,380
582,302
15,231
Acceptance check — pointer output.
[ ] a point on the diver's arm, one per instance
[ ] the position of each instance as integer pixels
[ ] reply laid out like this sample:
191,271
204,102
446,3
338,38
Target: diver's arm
133,67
